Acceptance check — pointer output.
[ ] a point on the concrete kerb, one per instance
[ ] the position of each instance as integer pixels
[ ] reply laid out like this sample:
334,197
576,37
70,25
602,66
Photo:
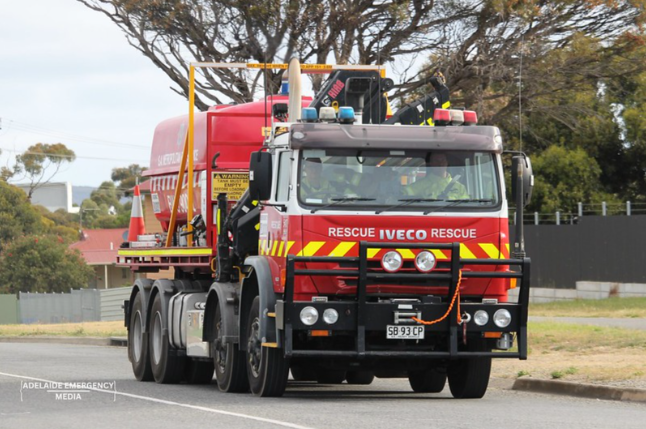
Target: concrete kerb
582,390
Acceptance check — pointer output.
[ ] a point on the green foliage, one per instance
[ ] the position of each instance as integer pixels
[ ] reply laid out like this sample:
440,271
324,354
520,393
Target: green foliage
563,177
33,263
39,164
17,216
126,178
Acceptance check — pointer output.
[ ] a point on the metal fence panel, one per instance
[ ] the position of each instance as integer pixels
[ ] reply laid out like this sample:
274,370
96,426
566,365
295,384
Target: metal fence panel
9,310
82,305
112,302
597,248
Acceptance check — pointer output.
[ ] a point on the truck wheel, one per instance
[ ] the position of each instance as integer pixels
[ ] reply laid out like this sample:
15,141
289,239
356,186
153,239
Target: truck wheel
137,342
329,376
469,377
229,363
267,368
167,367
198,371
428,381
362,377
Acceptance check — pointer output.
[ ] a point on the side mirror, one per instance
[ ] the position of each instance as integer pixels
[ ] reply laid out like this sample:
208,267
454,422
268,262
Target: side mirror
260,171
524,176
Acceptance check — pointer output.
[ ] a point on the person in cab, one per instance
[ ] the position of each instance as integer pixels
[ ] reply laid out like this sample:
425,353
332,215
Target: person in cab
438,182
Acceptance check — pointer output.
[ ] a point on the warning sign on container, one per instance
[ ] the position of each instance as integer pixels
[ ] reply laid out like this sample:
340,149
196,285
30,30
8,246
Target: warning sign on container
234,184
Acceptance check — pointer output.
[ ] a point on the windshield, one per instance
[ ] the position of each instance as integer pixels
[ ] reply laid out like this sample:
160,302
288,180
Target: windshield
399,180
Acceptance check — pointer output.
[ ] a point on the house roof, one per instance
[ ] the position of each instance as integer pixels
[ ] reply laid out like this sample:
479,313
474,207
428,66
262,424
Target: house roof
100,246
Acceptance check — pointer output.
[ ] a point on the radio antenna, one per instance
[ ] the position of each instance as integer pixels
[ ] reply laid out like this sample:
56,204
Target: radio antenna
520,95
381,96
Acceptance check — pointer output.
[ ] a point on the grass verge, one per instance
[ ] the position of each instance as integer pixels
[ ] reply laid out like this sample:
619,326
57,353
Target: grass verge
610,307
87,329
582,353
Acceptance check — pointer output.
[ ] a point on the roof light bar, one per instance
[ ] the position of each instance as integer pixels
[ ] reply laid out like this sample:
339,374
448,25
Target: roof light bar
470,117
441,117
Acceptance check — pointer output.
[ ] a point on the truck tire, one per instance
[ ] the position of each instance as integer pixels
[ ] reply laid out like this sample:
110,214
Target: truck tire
198,371
469,377
360,377
167,367
427,381
267,368
137,342
330,376
229,363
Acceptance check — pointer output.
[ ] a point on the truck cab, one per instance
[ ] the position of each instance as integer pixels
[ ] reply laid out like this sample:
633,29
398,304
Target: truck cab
388,251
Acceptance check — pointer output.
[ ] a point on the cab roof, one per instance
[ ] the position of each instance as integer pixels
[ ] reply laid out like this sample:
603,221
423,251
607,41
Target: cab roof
333,135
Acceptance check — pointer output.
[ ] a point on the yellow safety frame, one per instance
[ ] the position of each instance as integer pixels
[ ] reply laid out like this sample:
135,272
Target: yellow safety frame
189,142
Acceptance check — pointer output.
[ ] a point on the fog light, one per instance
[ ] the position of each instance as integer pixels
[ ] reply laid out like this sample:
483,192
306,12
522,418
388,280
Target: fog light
330,316
425,261
392,261
502,318
309,316
481,317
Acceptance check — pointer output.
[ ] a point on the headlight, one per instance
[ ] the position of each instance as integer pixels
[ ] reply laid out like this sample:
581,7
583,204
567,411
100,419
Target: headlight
481,317
425,261
502,318
309,316
330,316
392,261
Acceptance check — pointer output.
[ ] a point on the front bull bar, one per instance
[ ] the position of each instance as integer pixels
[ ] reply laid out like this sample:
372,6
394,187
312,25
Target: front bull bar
357,314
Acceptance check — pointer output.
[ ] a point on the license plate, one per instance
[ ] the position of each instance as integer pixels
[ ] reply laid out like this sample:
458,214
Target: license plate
397,332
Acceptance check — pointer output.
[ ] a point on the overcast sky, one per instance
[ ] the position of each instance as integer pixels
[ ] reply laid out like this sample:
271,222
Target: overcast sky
67,74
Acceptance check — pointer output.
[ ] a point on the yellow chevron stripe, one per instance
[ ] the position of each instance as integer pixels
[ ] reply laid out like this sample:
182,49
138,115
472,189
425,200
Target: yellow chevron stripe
406,253
342,249
491,250
289,246
507,246
280,249
372,252
273,248
311,248
465,253
261,246
439,254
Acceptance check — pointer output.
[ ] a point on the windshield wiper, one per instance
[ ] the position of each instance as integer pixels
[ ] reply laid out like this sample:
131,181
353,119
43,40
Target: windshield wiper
407,201
336,201
457,202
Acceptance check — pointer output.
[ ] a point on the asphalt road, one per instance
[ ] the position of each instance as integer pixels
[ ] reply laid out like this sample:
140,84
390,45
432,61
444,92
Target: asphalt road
25,401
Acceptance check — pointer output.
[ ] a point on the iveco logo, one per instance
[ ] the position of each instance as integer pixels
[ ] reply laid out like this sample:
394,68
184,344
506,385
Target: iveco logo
200,305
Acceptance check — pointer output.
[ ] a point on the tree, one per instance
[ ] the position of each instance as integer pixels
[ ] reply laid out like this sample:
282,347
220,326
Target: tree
39,164
126,178
172,32
33,263
17,216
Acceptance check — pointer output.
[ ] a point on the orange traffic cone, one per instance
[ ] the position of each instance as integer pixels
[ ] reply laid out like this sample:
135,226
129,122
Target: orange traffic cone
389,110
137,226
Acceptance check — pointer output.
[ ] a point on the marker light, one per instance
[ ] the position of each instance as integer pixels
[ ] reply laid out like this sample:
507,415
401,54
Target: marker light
481,317
392,261
502,318
327,114
441,117
309,316
470,117
308,114
330,316
346,115
425,261
457,117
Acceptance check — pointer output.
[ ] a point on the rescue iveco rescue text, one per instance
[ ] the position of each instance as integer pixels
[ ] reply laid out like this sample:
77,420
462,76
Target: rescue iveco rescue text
342,246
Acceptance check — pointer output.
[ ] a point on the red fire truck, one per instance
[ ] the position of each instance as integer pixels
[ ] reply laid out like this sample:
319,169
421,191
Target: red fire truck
340,246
